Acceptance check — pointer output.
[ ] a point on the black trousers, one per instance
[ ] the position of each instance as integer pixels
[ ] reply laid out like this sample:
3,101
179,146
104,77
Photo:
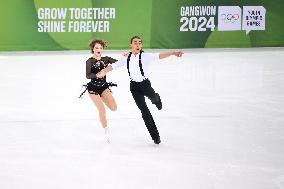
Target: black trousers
139,90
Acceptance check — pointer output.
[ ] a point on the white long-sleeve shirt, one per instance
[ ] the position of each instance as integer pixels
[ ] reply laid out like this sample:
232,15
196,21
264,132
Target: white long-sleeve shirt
134,69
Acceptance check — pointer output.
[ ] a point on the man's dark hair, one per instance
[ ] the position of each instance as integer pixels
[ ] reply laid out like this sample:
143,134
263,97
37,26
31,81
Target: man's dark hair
95,41
135,37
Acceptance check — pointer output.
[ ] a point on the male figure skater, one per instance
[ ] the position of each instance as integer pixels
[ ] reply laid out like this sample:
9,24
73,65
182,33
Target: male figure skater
140,86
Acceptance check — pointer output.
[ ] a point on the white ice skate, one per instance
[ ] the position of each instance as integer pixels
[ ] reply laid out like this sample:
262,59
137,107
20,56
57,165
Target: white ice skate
107,135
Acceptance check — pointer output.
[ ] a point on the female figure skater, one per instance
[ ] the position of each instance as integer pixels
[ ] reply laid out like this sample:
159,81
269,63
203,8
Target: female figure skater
98,88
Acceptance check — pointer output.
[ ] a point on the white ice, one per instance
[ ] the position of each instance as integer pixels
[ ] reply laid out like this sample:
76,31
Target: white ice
221,126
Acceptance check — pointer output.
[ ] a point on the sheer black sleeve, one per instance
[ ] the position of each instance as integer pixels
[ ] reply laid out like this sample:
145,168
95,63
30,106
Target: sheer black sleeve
89,74
110,60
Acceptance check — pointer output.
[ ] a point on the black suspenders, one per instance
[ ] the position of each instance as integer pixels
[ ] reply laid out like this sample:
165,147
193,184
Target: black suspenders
140,63
128,59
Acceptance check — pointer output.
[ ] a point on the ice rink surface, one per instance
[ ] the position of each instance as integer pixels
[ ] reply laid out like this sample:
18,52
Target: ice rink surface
221,126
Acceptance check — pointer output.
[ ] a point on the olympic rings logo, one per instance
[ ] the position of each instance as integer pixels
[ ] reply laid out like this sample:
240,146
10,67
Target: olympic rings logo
230,18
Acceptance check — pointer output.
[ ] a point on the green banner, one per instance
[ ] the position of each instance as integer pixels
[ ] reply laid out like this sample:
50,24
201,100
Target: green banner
223,24
70,25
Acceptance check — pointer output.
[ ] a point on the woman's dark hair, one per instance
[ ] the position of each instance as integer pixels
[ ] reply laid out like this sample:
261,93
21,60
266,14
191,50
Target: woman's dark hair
95,41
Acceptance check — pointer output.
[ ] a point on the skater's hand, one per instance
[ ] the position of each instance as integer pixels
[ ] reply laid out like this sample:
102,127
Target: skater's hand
178,53
125,54
101,74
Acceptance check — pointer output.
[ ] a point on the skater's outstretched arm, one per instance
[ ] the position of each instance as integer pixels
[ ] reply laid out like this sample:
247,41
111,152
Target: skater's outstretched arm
167,54
121,62
104,71
117,64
